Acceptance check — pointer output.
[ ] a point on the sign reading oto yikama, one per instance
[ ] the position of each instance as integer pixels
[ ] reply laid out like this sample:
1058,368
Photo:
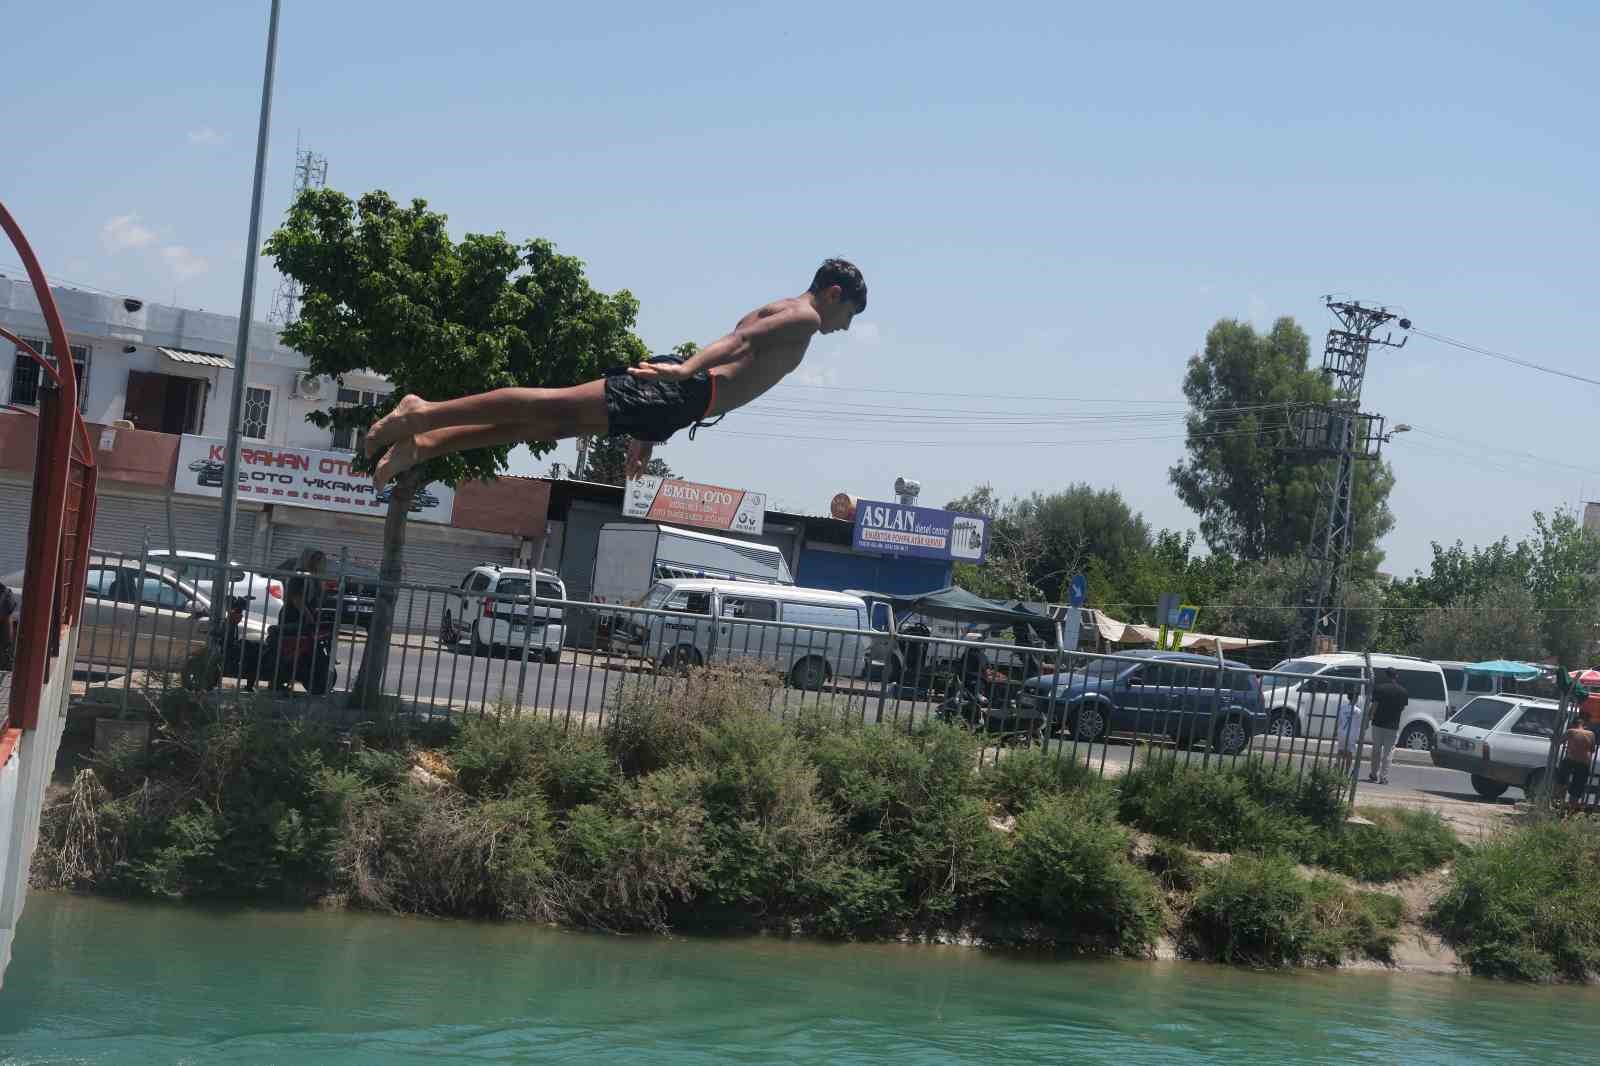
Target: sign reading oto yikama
925,532
688,504
297,477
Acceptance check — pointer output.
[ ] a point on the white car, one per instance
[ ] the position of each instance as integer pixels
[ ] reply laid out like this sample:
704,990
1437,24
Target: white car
1298,701
1502,741
491,610
200,570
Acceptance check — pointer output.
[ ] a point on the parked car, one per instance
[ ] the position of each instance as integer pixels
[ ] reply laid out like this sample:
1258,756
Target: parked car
1501,741
486,613
199,569
1296,708
723,621
422,500
211,471
1170,694
147,618
358,599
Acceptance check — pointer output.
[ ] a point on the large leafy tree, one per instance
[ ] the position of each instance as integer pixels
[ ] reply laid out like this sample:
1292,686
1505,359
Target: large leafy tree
608,456
387,289
1253,501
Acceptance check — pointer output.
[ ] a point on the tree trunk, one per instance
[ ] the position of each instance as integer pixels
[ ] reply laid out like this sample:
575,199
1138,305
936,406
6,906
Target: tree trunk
368,689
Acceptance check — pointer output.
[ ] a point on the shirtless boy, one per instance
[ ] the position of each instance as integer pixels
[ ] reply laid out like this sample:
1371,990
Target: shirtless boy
648,402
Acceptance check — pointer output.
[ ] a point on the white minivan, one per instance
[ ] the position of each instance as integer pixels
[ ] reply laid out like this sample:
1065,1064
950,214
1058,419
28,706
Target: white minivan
1298,704
746,620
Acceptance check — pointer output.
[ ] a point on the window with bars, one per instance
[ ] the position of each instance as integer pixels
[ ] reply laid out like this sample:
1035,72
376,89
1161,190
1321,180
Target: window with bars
348,438
256,418
26,376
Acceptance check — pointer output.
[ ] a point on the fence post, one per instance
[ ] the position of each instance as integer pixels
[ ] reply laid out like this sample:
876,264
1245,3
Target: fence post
133,636
1362,728
894,646
1551,758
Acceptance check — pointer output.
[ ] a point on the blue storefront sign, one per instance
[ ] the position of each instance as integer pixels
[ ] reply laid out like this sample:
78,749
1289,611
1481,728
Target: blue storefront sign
921,532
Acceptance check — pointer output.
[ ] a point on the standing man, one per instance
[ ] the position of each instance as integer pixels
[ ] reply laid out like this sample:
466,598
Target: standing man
1388,700
1577,753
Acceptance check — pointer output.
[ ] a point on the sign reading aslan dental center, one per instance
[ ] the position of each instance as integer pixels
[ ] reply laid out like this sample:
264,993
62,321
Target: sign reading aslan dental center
924,532
685,503
297,477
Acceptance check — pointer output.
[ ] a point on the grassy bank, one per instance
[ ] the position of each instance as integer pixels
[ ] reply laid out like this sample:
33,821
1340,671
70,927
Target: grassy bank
695,809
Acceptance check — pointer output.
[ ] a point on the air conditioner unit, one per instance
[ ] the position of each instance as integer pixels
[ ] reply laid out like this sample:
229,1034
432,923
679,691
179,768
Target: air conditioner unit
308,386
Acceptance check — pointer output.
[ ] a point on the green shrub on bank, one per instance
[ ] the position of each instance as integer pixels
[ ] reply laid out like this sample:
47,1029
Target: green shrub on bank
1399,844
1176,867
1260,911
1069,869
1020,779
509,756
1523,905
660,721
1256,808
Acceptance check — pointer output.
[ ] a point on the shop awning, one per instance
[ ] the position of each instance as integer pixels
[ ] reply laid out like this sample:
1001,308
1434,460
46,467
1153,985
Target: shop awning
955,604
1116,632
178,355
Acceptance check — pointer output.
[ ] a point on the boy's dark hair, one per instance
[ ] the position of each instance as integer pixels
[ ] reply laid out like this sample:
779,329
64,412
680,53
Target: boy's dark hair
846,275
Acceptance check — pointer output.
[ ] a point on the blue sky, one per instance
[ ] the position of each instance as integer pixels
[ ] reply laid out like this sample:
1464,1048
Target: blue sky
1052,204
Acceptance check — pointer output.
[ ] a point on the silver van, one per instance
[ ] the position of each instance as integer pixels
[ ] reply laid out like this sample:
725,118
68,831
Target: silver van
731,621
1464,687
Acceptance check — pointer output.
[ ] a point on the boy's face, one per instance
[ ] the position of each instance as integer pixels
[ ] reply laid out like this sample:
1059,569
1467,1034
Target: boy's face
836,309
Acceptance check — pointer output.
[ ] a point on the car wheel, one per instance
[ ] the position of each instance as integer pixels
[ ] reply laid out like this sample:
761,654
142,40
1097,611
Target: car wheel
552,656
809,674
1283,725
449,636
1488,789
1088,722
1231,737
479,647
1417,737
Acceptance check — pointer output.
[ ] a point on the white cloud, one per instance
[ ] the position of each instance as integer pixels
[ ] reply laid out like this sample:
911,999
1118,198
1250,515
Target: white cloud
205,135
183,263
124,232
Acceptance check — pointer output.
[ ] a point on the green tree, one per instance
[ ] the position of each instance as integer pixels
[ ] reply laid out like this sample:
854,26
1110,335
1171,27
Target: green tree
1253,502
1564,578
606,457
386,288
1498,622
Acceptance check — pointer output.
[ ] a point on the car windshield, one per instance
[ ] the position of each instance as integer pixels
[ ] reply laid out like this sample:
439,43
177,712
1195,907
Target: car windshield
657,595
513,586
1482,713
1297,666
1097,670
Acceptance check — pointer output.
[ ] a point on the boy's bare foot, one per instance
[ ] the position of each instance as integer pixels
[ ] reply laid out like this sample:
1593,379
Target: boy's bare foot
396,425
400,458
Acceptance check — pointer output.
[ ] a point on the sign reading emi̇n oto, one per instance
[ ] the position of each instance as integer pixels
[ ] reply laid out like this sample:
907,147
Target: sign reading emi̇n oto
924,532
297,477
685,503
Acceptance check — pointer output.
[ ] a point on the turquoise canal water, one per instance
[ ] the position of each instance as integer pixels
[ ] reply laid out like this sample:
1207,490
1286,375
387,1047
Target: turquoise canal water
104,982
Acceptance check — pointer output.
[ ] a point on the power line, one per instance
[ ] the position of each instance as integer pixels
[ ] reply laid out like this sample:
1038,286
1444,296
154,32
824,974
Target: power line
1503,357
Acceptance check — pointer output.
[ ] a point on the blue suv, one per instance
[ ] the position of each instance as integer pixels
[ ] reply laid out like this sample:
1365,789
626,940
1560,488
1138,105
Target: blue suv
1165,694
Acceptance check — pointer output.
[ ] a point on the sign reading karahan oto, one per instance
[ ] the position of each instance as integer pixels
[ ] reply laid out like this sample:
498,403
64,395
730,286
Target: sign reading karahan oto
925,532
686,503
297,477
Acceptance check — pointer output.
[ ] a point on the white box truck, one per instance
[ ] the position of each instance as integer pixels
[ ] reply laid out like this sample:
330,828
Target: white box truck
632,556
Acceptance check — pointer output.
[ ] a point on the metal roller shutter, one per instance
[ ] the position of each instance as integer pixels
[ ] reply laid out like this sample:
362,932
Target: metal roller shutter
122,523
14,509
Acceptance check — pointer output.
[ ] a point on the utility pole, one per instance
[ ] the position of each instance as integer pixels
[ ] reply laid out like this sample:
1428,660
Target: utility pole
1338,436
310,172
241,354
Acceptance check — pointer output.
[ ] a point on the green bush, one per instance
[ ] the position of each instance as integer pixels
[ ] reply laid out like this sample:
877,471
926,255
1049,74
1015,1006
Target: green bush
510,756
657,722
1020,779
1210,808
1069,869
1400,843
915,806
626,861
771,837
1522,905
1260,911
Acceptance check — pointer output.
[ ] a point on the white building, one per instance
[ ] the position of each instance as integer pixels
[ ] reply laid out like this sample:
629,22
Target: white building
169,371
